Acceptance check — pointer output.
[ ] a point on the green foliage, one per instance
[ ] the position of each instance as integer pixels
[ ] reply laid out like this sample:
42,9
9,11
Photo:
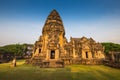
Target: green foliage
111,47
14,49
72,72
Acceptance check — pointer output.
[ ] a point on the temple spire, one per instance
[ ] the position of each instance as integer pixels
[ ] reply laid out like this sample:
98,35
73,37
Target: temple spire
53,21
54,15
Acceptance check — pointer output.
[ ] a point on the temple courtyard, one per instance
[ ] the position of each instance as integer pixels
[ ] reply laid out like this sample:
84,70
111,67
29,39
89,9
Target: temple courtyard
73,72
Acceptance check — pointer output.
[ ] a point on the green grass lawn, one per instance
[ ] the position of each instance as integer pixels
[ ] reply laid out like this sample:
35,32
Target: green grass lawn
73,72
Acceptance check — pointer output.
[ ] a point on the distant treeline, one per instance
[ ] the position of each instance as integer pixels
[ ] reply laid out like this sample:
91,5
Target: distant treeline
14,49
20,49
111,47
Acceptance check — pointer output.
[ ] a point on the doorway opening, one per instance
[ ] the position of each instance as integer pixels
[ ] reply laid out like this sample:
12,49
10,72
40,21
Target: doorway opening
52,55
86,54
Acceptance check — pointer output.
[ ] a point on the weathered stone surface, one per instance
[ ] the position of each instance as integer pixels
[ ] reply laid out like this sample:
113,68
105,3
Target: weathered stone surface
113,59
53,50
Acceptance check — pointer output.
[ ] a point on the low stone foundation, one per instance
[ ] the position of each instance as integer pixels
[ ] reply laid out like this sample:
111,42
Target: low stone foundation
37,61
111,64
84,61
52,63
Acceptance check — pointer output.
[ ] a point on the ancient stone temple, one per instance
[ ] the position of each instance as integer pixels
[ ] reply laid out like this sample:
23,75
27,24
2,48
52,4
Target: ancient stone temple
53,50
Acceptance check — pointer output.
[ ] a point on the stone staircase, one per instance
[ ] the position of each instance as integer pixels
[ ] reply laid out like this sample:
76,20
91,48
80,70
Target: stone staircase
41,62
36,61
52,63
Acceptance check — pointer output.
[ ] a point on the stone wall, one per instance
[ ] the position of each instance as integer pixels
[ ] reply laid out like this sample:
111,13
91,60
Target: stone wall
53,50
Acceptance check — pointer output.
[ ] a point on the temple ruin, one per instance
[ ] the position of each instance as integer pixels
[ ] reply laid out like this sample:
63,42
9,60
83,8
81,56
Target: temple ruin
53,50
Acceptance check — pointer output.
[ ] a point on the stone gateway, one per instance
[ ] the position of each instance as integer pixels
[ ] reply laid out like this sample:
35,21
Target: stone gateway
53,50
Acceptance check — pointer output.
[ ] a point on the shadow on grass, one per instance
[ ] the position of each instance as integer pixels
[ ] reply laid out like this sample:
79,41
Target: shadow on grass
73,72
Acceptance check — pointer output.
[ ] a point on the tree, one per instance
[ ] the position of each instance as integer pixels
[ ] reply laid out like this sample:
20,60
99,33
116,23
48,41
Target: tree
111,47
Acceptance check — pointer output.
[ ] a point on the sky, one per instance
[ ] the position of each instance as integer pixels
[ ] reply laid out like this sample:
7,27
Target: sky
21,21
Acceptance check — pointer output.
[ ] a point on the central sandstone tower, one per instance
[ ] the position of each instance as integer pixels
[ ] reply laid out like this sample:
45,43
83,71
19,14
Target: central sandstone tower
53,50
53,37
50,45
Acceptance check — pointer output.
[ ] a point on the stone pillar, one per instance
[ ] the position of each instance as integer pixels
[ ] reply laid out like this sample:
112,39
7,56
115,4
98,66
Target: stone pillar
83,54
37,51
48,54
13,64
112,56
119,57
57,54
74,53
89,55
